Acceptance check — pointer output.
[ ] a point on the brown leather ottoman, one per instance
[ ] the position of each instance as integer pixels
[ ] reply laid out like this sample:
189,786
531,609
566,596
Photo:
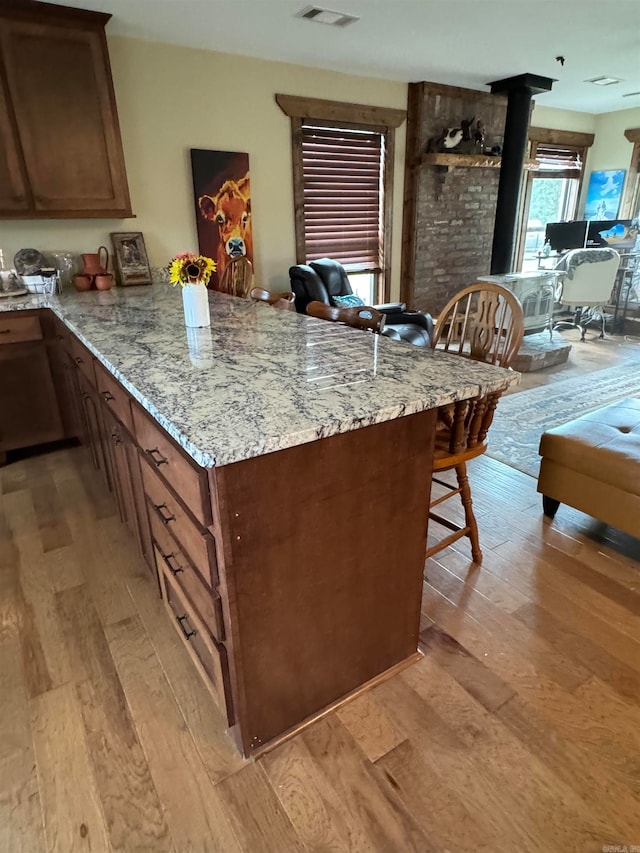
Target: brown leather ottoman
593,464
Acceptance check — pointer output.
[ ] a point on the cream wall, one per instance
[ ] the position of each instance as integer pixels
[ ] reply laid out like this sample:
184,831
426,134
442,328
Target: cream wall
562,119
171,99
610,149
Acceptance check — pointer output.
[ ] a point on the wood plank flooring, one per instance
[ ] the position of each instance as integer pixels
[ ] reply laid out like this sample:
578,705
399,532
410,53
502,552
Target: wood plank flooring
519,729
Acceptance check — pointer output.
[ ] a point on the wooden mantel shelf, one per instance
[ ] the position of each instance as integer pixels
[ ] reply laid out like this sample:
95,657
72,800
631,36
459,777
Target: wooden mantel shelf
478,161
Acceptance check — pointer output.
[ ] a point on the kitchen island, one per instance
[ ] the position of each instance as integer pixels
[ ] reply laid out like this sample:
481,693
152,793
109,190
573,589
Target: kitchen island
276,471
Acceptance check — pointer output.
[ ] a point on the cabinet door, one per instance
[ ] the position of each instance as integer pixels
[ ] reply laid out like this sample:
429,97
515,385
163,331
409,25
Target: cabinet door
92,425
63,373
29,411
116,451
142,514
14,196
59,84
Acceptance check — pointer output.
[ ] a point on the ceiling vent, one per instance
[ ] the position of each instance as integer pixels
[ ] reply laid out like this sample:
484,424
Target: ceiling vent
326,16
604,81
630,94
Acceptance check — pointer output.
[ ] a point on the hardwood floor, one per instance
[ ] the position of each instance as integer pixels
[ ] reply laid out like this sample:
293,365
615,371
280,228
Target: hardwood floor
519,729
585,357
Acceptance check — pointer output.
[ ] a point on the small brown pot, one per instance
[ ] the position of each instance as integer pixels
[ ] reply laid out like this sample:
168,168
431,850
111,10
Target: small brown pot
82,282
104,281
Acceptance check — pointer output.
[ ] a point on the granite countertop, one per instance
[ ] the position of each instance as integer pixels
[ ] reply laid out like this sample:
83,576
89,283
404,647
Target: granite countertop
259,379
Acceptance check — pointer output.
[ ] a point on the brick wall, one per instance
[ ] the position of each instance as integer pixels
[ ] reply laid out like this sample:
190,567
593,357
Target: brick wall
453,211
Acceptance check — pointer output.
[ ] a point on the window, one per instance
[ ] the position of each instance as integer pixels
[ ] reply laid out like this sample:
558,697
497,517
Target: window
343,179
631,202
551,191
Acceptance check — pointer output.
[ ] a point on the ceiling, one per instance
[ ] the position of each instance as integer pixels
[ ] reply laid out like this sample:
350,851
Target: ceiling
459,42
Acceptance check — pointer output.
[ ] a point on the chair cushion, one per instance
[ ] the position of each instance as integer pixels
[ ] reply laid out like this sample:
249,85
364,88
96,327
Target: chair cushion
333,276
604,445
307,286
408,332
351,300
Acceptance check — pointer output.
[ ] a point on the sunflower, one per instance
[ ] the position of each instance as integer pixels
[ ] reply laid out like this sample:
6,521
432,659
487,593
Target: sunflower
187,268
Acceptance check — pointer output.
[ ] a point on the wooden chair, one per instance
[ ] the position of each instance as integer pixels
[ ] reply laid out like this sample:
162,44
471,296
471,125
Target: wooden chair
237,277
484,322
360,317
285,301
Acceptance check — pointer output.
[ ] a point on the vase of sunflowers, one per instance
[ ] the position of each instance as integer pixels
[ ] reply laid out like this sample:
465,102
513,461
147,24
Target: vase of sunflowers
192,273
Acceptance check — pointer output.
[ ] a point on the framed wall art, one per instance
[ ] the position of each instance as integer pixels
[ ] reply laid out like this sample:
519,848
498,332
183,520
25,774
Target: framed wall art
222,199
604,194
130,262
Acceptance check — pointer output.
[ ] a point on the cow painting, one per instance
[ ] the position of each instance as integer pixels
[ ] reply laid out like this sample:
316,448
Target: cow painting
230,211
222,196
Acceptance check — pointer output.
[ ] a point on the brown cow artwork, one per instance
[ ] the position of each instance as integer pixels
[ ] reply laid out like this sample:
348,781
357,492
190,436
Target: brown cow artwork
222,193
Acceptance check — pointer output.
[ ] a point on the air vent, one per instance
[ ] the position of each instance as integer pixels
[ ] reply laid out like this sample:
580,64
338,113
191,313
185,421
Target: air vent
604,81
630,94
326,16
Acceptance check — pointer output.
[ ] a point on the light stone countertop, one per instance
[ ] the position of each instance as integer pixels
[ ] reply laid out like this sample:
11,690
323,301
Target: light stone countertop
259,379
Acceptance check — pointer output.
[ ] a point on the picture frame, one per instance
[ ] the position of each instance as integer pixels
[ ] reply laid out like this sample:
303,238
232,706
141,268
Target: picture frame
604,194
130,261
222,203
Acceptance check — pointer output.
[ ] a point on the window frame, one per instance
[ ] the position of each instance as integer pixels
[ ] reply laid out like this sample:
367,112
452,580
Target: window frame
630,207
549,138
346,116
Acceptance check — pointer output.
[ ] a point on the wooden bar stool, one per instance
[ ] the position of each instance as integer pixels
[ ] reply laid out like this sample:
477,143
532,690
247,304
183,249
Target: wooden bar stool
360,316
285,300
484,322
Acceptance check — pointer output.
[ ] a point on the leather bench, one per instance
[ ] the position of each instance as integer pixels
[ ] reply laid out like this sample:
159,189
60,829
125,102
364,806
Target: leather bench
593,464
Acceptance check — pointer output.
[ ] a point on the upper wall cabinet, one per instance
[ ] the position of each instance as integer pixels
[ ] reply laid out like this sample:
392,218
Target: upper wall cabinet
60,148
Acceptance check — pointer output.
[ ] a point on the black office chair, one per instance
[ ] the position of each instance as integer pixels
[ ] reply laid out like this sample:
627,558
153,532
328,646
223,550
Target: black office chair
325,278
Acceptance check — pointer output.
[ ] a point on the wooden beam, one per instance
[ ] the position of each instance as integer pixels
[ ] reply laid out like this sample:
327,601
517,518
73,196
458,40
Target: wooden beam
299,107
460,92
411,180
550,136
632,134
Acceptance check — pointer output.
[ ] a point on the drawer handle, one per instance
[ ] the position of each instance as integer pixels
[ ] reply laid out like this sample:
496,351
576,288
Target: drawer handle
158,459
116,438
78,360
165,518
107,396
5,331
181,620
174,569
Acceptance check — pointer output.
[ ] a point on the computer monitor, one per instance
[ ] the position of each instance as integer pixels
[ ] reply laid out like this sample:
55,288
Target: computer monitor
616,233
566,235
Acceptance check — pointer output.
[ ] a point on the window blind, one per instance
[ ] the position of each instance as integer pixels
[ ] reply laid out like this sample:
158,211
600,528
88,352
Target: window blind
558,158
342,192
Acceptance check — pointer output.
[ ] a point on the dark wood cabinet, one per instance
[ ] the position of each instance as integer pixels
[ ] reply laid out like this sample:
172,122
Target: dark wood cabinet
14,195
60,147
117,441
29,412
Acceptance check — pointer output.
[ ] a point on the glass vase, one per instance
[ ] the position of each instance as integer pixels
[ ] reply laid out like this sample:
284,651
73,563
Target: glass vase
195,301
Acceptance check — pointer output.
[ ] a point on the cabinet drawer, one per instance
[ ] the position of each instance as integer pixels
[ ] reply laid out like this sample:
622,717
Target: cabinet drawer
114,395
167,509
205,601
207,571
83,359
209,657
17,330
185,477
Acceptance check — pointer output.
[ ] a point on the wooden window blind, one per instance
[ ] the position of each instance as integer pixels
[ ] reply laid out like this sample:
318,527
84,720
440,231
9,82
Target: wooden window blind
560,161
342,195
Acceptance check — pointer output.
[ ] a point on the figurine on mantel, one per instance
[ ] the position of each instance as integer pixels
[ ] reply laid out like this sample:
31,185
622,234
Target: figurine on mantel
458,140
